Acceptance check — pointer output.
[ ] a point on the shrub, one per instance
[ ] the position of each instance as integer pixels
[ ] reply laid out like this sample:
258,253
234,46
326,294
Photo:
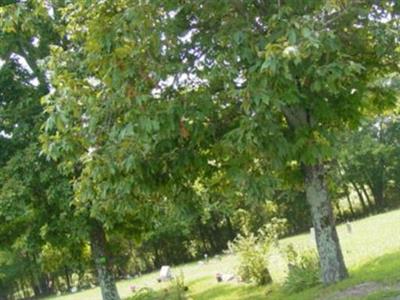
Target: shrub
252,259
144,293
304,270
253,251
176,290
178,287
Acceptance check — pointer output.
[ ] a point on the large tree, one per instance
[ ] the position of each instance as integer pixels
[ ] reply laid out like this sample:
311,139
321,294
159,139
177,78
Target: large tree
96,127
301,71
34,196
128,149
147,103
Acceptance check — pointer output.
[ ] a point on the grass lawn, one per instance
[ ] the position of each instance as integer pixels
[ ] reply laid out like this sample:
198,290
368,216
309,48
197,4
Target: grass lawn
371,251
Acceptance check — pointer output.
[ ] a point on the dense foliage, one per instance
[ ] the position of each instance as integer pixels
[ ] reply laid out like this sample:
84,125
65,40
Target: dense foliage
158,136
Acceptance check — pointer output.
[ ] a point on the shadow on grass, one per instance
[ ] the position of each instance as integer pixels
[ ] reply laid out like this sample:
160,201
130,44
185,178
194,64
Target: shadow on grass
207,288
384,270
167,293
230,291
199,280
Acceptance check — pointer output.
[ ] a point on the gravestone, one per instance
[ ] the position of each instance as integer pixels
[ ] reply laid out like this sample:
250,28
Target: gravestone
165,273
221,277
349,227
312,235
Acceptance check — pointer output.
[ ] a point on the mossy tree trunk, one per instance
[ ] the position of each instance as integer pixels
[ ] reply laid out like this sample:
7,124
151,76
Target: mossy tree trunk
332,264
106,280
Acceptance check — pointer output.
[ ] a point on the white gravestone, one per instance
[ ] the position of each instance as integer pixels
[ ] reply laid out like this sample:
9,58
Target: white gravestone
349,227
312,235
165,273
224,277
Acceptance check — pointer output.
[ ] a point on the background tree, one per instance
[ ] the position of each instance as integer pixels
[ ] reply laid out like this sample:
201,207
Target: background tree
34,196
369,162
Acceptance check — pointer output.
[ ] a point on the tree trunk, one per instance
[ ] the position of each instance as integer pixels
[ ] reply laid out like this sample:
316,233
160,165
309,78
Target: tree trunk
35,286
203,238
339,210
377,187
44,285
370,204
231,231
377,191
211,237
350,204
157,259
98,246
3,292
331,259
67,278
361,197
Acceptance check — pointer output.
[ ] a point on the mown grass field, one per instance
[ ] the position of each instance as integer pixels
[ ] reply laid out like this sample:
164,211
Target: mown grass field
371,251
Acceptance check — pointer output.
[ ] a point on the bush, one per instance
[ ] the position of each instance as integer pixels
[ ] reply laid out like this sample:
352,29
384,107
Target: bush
252,255
253,251
304,270
144,293
176,290
178,287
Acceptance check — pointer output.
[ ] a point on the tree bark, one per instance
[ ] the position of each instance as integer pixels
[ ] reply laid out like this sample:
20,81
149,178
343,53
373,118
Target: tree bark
157,259
361,197
98,245
370,204
331,259
44,285
337,205
350,204
34,285
203,238
377,186
67,278
231,231
378,193
3,293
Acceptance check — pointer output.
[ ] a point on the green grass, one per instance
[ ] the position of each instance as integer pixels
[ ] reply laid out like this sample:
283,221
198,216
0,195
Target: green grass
383,271
372,253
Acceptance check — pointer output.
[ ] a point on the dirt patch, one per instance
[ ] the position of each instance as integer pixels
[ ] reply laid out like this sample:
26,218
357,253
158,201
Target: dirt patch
396,288
359,290
363,289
